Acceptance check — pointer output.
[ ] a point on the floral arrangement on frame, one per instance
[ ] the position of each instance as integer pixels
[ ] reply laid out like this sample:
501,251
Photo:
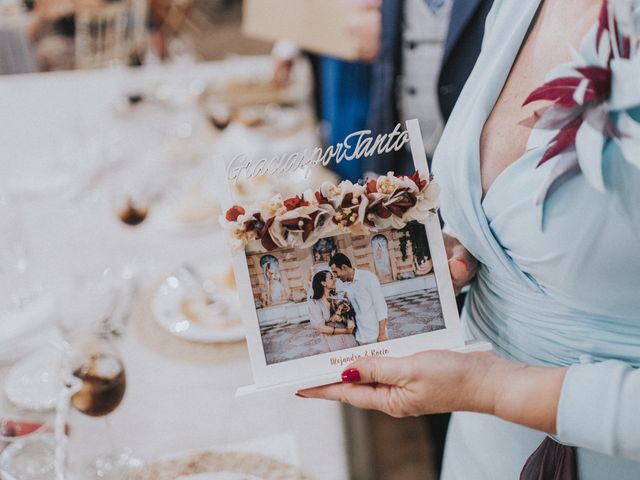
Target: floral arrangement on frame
390,201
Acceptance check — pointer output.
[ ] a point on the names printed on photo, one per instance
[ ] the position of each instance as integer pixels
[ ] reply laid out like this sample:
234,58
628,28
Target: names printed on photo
372,352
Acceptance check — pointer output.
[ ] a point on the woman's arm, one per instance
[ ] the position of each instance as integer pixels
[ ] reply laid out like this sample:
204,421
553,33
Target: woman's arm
443,381
318,321
325,329
594,406
598,408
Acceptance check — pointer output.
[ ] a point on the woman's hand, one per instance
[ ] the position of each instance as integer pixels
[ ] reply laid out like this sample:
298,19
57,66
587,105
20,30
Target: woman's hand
427,382
351,326
443,381
462,265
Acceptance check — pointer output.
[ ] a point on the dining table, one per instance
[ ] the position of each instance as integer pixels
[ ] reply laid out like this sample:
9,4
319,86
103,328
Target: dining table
56,136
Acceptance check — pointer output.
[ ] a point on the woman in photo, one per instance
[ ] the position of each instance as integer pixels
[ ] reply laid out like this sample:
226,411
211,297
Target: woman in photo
333,329
276,291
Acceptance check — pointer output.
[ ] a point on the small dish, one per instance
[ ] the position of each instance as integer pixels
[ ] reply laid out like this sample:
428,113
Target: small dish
183,308
35,382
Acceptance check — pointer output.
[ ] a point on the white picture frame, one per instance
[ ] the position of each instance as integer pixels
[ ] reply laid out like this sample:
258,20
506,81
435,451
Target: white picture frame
323,368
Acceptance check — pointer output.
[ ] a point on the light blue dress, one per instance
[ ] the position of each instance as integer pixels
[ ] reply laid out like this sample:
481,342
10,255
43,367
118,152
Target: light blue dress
557,286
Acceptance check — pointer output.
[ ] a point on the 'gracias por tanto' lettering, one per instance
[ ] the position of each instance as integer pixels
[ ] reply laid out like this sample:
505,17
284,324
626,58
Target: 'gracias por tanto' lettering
364,145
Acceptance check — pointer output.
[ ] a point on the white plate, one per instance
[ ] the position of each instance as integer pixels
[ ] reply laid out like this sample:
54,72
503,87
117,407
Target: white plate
166,219
193,207
179,306
35,382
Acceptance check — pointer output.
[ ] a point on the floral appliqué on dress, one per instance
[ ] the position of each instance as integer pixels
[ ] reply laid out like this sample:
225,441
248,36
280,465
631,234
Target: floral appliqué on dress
596,100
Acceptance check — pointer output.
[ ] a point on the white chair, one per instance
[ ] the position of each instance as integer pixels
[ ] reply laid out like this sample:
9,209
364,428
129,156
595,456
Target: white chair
109,34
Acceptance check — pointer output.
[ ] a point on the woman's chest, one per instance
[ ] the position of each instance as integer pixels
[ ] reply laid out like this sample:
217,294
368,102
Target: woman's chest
579,247
505,133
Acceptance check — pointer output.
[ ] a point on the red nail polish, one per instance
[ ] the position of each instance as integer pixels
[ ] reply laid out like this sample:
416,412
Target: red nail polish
350,375
298,394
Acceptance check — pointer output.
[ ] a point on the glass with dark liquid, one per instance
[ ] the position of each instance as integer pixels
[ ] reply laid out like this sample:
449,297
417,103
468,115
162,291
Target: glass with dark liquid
97,364
103,385
132,214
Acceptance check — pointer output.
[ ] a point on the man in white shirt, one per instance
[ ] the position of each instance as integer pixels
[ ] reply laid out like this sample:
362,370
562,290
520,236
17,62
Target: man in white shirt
365,293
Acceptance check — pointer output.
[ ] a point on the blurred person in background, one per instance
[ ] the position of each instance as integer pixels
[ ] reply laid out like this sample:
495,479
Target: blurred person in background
166,18
52,33
342,88
427,50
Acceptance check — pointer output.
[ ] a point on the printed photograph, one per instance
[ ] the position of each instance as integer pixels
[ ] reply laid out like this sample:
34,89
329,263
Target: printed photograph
343,291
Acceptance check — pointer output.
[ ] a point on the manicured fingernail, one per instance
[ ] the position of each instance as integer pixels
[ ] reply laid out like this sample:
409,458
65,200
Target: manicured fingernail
298,394
350,375
464,262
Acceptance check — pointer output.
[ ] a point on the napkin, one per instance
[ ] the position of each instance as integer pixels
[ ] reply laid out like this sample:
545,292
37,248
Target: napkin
27,328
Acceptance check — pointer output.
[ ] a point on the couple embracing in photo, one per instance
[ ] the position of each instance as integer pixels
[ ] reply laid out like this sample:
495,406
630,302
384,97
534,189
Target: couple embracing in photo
347,305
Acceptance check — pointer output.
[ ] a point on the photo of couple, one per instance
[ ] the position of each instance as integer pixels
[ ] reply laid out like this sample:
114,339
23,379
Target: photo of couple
344,291
347,306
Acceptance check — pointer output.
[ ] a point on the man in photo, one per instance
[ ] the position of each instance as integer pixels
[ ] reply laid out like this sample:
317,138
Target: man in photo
365,293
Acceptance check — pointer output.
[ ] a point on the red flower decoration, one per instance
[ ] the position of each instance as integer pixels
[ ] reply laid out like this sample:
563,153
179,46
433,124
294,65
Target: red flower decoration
290,231
295,202
401,201
234,212
261,230
377,209
265,237
306,224
418,181
347,214
322,200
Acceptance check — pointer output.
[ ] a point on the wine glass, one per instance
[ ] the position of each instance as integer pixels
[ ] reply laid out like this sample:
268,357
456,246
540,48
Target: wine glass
15,282
99,367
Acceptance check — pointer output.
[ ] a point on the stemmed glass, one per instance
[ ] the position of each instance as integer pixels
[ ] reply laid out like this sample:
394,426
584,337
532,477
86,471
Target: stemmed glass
16,286
95,361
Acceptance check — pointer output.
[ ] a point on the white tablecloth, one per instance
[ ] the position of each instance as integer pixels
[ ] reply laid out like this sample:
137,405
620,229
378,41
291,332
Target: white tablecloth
170,406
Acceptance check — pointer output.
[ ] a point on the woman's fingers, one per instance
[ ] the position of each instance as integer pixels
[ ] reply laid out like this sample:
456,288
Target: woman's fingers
373,371
378,370
359,395
374,383
460,274
462,264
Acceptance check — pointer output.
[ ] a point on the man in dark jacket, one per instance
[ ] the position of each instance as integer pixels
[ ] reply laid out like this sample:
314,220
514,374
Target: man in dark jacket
460,51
